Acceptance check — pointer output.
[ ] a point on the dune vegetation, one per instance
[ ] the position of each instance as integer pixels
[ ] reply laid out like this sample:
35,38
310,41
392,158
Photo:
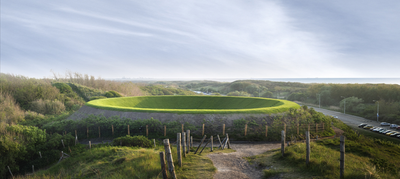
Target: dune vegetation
194,104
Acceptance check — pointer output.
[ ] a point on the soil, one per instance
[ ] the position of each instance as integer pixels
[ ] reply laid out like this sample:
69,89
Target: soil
233,165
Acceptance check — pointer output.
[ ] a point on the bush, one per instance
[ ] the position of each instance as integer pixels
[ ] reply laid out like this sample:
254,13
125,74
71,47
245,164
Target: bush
133,141
97,97
47,106
112,94
10,112
64,88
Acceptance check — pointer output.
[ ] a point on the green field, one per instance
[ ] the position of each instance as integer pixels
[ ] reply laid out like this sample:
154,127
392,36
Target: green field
194,104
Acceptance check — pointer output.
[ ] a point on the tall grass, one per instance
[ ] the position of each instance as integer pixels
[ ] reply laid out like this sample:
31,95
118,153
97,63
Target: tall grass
10,112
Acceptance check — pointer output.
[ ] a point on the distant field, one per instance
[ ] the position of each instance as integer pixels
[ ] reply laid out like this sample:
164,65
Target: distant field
194,104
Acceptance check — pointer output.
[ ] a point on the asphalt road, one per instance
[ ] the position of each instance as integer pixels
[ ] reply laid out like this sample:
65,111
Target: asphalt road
350,119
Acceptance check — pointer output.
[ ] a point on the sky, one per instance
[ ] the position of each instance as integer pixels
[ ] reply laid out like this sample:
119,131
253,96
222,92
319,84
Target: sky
201,39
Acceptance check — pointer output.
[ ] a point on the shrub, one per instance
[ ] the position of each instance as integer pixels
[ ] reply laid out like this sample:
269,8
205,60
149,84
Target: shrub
112,94
97,97
10,112
133,141
64,88
47,106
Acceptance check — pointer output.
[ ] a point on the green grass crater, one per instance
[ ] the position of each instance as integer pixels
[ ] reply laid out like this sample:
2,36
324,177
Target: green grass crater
194,104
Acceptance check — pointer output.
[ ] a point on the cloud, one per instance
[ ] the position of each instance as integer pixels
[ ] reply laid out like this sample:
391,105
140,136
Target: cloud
199,39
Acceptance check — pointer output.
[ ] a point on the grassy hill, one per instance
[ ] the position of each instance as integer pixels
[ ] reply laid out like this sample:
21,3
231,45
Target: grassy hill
194,104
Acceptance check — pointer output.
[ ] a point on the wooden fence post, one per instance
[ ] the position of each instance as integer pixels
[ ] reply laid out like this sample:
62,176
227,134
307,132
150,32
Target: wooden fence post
129,132
229,141
205,146
87,132
283,142
40,154
33,169
245,129
62,143
223,129
90,145
298,129
188,141
284,127
184,144
212,144
202,133
154,141
308,147
99,132
266,130
147,130
10,171
200,144
112,129
191,141
178,149
163,168
220,143
170,161
165,130
342,156
183,126
76,140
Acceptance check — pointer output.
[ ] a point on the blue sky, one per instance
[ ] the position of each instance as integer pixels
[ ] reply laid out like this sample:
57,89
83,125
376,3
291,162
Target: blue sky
201,39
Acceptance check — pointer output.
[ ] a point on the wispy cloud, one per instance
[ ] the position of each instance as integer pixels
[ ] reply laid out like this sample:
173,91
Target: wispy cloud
201,39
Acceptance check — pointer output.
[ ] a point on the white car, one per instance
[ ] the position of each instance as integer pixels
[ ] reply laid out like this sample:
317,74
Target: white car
394,126
385,124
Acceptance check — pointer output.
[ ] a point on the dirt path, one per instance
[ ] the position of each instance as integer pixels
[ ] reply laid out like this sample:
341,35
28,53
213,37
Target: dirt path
232,165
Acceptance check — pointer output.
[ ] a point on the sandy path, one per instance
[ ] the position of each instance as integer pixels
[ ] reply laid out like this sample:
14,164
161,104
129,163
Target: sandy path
232,165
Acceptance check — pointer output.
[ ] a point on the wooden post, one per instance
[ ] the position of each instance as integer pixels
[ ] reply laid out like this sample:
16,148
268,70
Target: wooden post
154,141
202,133
62,143
226,142
245,129
200,144
163,168
165,130
87,132
33,169
178,149
76,134
229,141
204,146
342,156
266,130
220,143
283,142
10,171
112,130
40,154
298,129
223,129
184,144
191,141
90,145
223,142
284,127
316,128
183,128
147,130
129,132
308,147
212,144
188,141
99,132
76,140
170,161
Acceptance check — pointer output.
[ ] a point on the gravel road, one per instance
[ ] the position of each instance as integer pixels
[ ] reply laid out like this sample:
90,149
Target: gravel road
233,166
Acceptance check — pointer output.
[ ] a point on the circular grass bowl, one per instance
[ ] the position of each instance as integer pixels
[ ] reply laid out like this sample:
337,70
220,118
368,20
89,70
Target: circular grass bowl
194,104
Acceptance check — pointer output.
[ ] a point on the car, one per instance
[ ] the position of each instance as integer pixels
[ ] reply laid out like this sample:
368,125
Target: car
398,128
394,126
395,134
398,136
368,127
362,124
385,131
390,133
335,117
380,130
385,124
376,129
